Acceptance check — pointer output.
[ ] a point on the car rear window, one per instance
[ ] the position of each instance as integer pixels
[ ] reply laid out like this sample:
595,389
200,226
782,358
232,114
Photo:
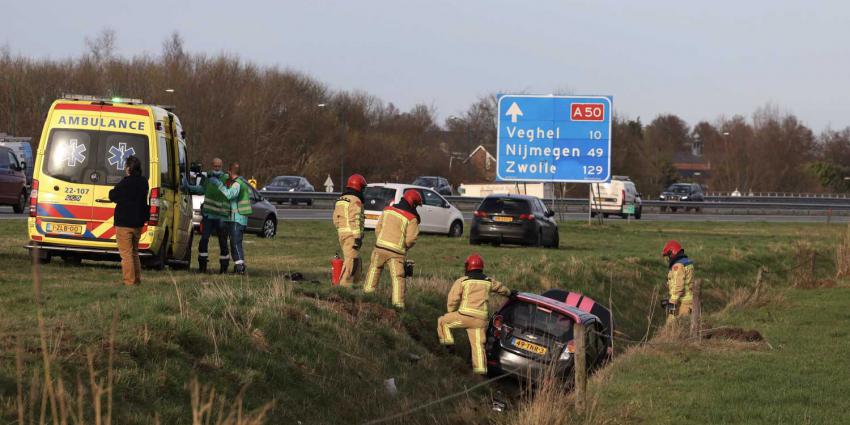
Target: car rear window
531,318
426,182
680,188
288,182
92,157
378,198
505,206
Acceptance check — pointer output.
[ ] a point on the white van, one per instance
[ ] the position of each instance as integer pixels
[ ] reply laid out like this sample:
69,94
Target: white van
614,197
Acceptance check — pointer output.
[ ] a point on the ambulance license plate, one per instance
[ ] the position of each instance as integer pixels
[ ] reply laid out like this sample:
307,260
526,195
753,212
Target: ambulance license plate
372,216
527,346
503,219
64,229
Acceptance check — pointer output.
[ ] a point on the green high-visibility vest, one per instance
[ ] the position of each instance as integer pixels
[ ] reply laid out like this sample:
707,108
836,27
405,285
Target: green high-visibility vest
215,203
243,204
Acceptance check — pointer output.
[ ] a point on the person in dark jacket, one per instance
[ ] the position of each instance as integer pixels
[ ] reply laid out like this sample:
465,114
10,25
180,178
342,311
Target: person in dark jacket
130,196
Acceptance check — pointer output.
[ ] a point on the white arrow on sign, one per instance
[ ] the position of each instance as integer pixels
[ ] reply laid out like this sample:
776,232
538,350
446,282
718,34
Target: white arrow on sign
513,111
329,184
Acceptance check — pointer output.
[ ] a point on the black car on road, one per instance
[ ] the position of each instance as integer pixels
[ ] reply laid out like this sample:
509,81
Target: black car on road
288,184
515,219
438,184
532,333
682,192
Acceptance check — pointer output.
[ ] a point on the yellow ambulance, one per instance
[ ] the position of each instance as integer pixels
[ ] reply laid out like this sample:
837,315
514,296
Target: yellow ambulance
81,156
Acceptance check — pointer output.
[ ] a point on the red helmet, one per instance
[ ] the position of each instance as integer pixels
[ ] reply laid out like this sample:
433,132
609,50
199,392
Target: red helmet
412,197
474,262
356,182
671,248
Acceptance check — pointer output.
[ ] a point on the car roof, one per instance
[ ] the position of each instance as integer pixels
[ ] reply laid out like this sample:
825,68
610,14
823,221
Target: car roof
397,186
511,195
280,177
574,313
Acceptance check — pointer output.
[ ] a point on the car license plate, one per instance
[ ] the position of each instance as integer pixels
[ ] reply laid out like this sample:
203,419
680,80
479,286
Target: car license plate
503,219
372,216
527,346
65,229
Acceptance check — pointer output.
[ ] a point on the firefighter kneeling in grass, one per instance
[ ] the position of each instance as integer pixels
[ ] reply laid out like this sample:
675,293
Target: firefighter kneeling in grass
680,277
467,309
395,234
348,220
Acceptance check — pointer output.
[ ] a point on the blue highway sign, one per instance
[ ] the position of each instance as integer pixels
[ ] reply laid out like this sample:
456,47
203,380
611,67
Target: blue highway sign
554,138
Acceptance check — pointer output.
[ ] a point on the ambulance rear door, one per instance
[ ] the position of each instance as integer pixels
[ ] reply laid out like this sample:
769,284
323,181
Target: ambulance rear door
68,172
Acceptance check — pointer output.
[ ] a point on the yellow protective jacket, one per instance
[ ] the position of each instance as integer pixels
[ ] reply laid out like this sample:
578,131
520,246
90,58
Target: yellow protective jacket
348,216
396,230
680,280
469,295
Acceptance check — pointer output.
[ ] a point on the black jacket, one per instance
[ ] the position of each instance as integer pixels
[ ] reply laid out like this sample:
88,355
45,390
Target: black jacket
131,201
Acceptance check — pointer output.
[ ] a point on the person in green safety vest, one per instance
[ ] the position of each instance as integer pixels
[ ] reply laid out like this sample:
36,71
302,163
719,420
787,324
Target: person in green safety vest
214,210
237,190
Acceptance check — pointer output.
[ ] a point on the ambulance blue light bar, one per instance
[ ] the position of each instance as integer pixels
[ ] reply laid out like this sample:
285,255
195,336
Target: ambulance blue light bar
90,98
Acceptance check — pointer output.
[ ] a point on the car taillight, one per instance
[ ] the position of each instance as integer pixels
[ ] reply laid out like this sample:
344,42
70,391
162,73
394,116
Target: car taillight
154,211
34,198
529,217
497,325
624,197
481,214
568,350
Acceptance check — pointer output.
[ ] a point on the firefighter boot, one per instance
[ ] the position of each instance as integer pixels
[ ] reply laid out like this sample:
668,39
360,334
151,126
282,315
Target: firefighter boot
224,265
202,266
240,269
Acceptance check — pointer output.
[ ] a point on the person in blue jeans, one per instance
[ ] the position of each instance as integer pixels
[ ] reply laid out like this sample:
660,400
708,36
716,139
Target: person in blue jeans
237,190
215,209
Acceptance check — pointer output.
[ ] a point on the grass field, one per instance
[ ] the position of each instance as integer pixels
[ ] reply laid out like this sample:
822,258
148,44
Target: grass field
321,355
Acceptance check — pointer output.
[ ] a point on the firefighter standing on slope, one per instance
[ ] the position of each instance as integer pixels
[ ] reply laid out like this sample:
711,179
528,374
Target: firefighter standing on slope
680,277
348,220
395,234
467,309
214,210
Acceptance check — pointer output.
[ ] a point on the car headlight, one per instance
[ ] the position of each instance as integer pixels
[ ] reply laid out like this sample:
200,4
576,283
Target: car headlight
292,190
265,188
684,198
662,197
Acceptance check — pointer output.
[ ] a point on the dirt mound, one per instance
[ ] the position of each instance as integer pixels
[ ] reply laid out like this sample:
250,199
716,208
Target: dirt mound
736,334
817,284
354,311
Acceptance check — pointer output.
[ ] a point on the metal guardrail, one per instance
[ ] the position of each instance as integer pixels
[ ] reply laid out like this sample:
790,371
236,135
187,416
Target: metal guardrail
736,205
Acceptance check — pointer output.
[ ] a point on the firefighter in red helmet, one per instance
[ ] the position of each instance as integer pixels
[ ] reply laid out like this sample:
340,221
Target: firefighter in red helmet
395,234
348,220
680,278
467,309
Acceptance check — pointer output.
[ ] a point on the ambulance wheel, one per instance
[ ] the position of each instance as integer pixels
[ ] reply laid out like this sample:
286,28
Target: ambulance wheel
42,257
157,262
72,260
22,203
186,261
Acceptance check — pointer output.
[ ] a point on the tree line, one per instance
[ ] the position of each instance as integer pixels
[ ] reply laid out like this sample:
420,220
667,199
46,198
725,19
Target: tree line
279,121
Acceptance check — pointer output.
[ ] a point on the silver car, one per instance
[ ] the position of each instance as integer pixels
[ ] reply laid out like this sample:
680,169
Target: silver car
262,222
531,332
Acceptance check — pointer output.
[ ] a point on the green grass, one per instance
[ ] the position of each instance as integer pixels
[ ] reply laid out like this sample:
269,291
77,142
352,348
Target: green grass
799,378
322,354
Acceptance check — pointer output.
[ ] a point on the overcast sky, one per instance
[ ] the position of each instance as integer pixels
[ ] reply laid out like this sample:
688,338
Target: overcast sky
698,59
